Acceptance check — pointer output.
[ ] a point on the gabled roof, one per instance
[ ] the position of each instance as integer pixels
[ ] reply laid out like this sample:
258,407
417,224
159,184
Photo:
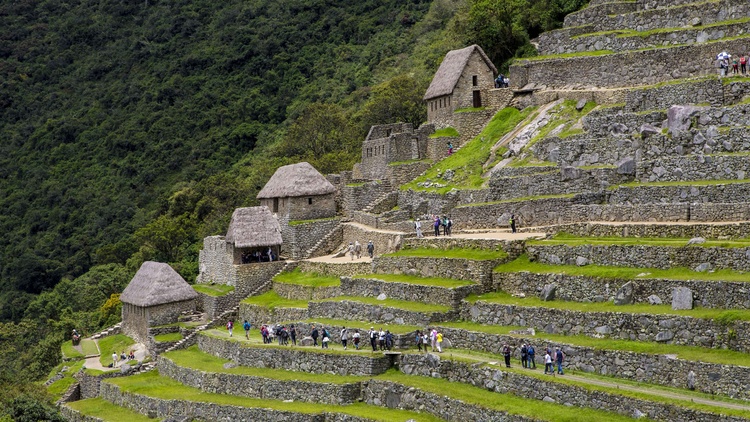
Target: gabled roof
156,283
450,69
253,227
299,179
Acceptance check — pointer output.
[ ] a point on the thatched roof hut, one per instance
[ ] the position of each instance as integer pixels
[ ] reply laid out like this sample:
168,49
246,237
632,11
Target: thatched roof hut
157,283
254,227
450,70
299,179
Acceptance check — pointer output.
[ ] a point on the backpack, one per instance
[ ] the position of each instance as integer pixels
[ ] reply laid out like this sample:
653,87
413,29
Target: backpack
247,326
530,350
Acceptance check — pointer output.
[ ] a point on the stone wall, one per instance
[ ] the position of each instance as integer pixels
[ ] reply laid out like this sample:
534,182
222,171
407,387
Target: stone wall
399,396
643,256
356,197
344,268
371,287
308,360
261,387
500,381
390,143
470,123
634,68
666,328
707,294
421,203
607,121
300,292
594,13
299,238
215,305
671,194
461,269
398,174
71,415
437,148
693,167
567,180
707,230
400,341
216,261
357,311
583,150
384,241
258,315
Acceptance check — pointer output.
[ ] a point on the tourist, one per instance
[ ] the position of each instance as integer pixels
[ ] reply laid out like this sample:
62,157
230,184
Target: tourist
264,333
280,334
373,338
512,223
735,66
326,339
531,353
436,219
524,356
425,341
370,249
314,334
293,334
355,338
433,339
743,64
723,66
448,225
444,223
230,327
351,250
388,340
358,249
246,327
506,355
381,339
418,226
114,359
270,254
559,357
439,341
131,356
548,364
344,337
418,340
450,148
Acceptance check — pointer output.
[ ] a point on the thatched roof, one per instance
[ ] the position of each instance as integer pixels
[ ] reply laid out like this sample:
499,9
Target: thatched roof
253,227
156,283
299,179
450,69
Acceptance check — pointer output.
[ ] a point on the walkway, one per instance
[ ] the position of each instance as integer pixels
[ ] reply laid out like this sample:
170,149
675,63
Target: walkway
92,362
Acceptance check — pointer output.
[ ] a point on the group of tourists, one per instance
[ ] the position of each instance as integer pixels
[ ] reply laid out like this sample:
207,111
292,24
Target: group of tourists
258,256
437,223
433,337
528,358
355,249
734,64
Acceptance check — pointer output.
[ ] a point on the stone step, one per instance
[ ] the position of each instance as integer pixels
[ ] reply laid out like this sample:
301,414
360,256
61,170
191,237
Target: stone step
634,68
618,322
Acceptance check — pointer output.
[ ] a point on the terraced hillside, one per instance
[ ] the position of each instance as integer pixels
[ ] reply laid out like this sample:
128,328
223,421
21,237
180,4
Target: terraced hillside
628,176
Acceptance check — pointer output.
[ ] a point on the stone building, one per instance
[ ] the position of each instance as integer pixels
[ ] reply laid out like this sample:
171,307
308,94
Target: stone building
299,192
463,80
156,295
391,143
252,231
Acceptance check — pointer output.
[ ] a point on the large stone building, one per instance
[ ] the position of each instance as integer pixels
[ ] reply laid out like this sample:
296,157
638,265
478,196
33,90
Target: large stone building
463,80
299,192
391,143
156,295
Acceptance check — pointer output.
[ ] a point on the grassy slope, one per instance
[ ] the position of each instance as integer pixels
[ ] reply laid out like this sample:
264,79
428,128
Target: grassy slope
118,343
675,242
104,410
272,300
300,278
213,289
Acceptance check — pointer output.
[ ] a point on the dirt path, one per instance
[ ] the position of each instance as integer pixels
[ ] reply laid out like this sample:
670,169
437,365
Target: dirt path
332,259
139,349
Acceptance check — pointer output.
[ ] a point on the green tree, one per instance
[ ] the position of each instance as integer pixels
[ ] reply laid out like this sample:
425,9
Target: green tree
166,238
396,100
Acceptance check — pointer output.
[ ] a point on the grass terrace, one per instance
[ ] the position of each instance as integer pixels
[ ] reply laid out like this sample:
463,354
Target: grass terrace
521,199
318,220
153,385
118,343
213,289
455,253
449,283
406,305
272,300
300,278
104,410
363,326
722,316
673,242
642,391
445,132
512,404
256,341
622,273
690,353
168,338
569,55
57,388
193,358
467,163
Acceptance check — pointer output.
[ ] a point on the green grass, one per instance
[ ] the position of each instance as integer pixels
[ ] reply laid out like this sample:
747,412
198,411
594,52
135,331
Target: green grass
168,338
300,278
690,353
362,326
118,343
213,289
445,132
469,109
70,352
57,388
193,358
456,253
152,385
406,305
681,183
510,403
721,315
566,115
272,300
569,55
521,199
89,347
672,242
422,281
530,161
467,163
104,410
468,356
354,185
622,273
406,162
317,220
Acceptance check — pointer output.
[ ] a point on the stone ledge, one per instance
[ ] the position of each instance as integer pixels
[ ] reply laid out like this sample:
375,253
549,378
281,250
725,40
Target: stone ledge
373,287
683,193
461,269
346,309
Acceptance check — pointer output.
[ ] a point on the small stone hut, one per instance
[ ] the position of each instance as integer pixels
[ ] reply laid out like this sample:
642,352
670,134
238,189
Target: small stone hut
253,230
299,192
156,295
461,81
